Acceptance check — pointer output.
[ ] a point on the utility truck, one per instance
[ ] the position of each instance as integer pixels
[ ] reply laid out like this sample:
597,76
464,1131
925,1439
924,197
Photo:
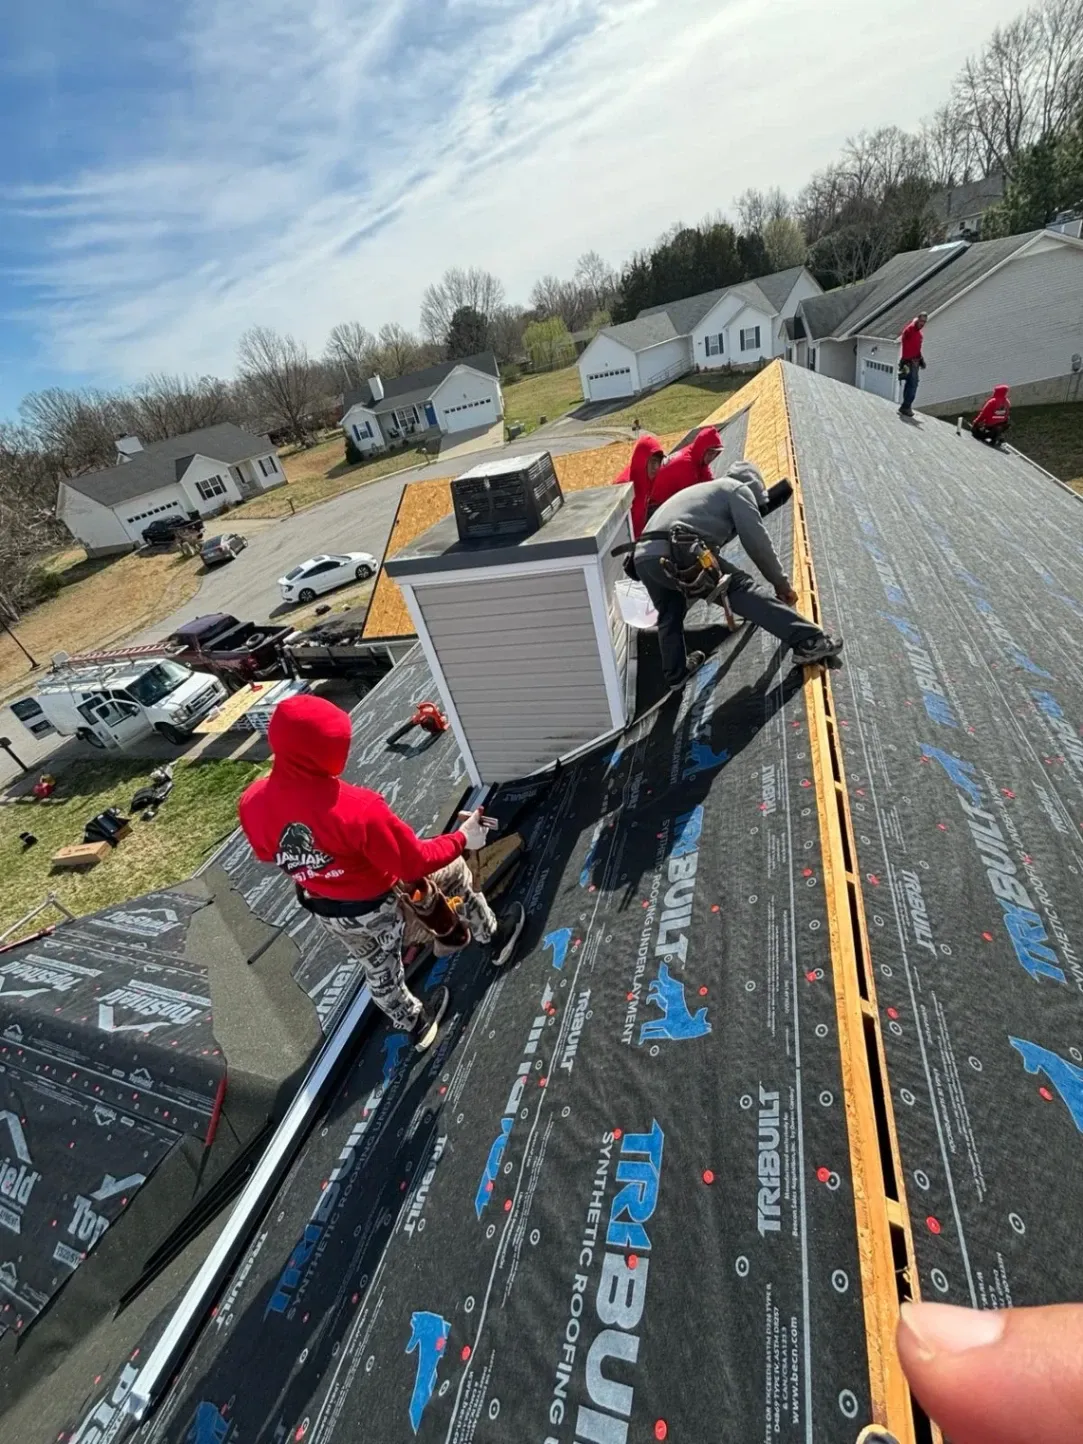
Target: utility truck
114,699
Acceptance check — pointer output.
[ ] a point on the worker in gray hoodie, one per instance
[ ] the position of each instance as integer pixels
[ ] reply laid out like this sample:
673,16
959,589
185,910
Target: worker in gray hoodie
678,559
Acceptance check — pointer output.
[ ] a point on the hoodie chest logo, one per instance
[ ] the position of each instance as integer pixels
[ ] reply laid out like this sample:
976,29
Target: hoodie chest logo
298,852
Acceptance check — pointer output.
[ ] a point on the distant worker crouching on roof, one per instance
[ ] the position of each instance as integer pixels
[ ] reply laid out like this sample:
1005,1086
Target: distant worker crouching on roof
993,420
912,362
349,855
692,527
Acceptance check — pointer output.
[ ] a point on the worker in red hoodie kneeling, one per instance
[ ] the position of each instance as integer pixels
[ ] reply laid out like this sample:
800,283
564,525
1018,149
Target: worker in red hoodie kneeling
355,863
993,420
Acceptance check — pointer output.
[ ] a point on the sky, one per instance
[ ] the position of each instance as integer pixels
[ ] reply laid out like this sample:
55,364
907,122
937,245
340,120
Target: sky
171,174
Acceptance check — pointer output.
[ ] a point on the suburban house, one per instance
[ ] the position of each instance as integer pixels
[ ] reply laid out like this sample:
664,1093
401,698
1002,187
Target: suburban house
740,325
199,473
960,210
1009,310
453,397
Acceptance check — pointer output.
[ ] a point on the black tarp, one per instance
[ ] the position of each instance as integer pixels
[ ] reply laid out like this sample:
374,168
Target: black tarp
956,574
620,1184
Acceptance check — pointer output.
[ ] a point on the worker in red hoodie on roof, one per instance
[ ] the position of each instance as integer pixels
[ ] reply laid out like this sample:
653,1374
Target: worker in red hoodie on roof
349,855
641,471
691,465
911,361
993,420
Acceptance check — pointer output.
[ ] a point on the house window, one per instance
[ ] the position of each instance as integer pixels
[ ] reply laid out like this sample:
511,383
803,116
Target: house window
262,467
212,487
750,338
272,464
715,344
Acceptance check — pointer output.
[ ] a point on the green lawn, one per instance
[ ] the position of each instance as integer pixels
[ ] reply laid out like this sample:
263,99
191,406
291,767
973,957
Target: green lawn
200,812
676,408
318,473
1053,437
550,395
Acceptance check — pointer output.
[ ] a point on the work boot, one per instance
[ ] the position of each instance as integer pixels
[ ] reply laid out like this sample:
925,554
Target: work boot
820,650
874,1434
694,662
424,1032
509,930
906,411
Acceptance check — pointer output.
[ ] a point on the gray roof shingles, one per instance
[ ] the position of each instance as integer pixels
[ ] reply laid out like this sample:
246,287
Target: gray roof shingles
417,385
778,286
935,292
824,314
644,331
767,292
163,463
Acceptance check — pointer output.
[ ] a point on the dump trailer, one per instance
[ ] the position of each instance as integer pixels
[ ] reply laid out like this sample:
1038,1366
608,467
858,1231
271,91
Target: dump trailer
334,648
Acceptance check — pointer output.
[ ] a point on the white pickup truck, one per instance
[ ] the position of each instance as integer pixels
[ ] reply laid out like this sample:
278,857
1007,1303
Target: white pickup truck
114,704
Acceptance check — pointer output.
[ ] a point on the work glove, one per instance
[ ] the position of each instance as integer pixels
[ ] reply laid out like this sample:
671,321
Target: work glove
473,830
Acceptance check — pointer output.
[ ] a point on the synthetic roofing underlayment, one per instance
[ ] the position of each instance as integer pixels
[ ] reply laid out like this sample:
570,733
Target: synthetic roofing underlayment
795,1029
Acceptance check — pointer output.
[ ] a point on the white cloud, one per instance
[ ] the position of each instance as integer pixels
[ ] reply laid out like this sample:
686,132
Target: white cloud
318,160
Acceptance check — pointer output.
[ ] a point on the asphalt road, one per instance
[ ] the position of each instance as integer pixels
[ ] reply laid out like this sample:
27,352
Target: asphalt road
247,587
356,521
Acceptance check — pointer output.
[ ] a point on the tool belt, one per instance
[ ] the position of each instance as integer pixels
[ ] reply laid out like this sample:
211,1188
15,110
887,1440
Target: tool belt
696,568
437,913
333,907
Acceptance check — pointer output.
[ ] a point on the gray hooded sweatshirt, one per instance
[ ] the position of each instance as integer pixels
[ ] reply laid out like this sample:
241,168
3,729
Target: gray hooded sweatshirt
719,511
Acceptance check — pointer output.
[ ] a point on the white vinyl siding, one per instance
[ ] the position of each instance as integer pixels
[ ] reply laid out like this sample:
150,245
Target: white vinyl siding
521,661
465,399
1021,324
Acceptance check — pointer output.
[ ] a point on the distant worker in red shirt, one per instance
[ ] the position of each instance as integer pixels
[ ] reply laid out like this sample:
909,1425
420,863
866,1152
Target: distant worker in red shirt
993,420
912,361
349,855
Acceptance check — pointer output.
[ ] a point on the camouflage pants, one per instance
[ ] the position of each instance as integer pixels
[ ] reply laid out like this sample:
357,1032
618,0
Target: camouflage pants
377,940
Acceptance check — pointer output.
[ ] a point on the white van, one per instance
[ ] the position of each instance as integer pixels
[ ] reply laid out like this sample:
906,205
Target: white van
114,704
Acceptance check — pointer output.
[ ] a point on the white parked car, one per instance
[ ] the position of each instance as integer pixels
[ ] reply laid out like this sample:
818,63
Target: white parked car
323,574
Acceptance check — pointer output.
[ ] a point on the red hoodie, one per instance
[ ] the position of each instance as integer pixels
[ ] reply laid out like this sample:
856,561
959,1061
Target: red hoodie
997,410
911,340
336,840
636,473
685,467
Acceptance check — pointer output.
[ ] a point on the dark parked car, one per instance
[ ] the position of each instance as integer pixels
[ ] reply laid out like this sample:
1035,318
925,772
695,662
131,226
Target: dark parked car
164,531
222,548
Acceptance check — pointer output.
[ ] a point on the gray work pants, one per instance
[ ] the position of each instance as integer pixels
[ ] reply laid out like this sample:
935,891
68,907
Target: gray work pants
764,611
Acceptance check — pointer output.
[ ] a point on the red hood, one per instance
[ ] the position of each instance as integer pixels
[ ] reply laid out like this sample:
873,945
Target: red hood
309,736
707,440
1000,393
645,448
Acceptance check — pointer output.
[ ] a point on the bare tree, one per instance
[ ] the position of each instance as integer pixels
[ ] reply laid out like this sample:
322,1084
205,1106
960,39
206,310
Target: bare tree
28,528
597,279
550,296
951,158
1026,84
785,243
282,379
352,350
506,329
755,208
398,351
164,406
77,428
479,290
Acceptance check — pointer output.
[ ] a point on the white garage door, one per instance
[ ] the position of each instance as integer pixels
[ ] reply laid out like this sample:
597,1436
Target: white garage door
879,378
610,385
